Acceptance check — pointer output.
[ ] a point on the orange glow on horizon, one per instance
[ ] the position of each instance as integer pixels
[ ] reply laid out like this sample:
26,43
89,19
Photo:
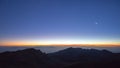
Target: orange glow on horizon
57,44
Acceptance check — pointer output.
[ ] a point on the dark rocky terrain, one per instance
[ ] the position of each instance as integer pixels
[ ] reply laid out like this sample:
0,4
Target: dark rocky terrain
67,58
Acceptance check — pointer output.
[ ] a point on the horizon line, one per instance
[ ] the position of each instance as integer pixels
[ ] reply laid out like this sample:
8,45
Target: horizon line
32,45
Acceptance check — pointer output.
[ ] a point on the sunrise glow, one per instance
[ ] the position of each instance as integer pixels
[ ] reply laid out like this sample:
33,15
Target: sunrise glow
58,43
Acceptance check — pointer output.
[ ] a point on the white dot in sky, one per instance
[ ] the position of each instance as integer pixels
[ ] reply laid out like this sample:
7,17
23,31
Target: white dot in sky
96,23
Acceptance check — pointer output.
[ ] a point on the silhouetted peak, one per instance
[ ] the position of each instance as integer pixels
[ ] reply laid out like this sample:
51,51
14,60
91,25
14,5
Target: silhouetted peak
106,51
71,48
75,52
30,57
81,50
30,50
29,53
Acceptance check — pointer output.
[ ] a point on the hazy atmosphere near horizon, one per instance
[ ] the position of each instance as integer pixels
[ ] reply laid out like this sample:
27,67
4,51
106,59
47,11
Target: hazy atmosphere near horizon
91,23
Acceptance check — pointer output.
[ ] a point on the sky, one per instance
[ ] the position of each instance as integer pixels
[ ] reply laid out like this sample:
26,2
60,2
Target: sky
59,22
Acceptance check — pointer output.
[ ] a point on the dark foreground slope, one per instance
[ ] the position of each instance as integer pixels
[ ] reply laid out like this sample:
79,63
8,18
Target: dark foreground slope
67,58
28,58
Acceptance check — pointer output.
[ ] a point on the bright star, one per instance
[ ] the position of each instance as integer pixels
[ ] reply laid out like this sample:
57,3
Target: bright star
96,23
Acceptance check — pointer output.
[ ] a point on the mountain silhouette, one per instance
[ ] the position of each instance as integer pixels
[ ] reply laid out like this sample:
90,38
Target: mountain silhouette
28,58
79,54
67,58
87,58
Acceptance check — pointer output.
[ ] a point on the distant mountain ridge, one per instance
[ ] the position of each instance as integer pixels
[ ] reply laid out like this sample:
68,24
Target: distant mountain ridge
84,55
67,58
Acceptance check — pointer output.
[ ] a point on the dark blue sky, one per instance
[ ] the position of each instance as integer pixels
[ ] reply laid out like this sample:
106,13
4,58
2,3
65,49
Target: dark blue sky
86,20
